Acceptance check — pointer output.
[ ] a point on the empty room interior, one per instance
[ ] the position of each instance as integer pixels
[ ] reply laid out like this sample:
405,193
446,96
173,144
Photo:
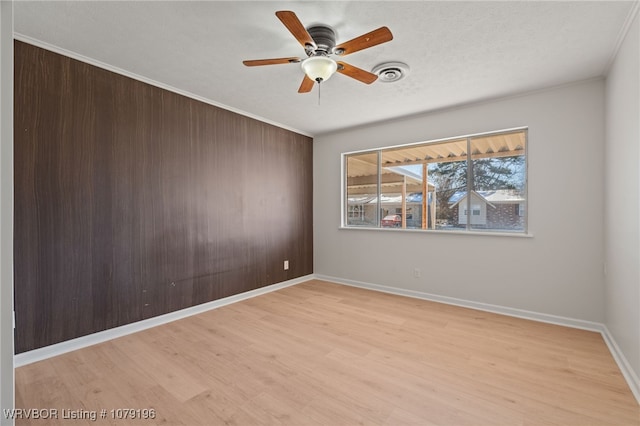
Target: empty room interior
320,213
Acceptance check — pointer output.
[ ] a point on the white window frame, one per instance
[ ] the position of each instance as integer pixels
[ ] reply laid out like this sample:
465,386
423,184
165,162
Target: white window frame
523,208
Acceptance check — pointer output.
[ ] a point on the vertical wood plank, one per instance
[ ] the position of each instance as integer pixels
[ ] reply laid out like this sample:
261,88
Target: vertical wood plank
132,201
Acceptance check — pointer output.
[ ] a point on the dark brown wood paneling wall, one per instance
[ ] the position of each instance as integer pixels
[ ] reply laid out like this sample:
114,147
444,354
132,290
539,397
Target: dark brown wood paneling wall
132,201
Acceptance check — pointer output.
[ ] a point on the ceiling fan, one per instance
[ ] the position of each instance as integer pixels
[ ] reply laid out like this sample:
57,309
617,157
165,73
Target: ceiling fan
319,43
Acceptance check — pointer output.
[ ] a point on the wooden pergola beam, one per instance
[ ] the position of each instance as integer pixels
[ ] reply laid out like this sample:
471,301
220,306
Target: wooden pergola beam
458,158
386,189
373,179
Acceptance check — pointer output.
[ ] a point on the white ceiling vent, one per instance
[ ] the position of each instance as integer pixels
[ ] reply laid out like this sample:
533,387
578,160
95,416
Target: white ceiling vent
390,72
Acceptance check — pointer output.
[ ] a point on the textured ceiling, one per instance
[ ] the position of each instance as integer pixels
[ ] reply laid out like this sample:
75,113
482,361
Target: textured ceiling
458,52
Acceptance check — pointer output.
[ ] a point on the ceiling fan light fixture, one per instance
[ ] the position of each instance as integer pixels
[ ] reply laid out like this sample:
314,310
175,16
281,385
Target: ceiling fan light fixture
319,68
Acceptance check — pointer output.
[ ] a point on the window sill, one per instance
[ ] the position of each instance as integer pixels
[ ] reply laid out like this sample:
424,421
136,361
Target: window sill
435,231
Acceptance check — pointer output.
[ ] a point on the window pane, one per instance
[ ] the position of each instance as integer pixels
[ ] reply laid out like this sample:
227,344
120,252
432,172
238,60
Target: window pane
362,189
432,168
499,182
403,183
447,172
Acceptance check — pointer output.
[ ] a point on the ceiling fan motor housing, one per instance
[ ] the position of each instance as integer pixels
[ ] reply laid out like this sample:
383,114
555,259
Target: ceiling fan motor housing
325,39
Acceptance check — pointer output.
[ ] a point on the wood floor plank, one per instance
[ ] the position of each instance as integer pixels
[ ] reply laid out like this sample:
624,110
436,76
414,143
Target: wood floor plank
321,353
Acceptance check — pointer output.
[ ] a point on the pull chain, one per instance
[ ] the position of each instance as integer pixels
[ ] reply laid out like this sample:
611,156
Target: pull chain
319,85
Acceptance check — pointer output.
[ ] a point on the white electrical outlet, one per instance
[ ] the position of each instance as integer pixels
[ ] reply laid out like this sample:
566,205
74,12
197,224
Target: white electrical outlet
417,273
286,265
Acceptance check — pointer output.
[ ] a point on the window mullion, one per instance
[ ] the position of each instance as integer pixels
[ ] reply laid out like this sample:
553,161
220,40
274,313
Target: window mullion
379,189
469,183
345,191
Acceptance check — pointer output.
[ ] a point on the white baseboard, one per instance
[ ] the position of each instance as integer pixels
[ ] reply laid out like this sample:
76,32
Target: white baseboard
625,368
113,333
513,312
630,376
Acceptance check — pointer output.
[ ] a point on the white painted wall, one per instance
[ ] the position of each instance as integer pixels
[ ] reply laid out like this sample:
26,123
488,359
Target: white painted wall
622,199
559,271
6,208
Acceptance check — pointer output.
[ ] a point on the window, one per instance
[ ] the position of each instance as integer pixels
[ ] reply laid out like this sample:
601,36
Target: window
476,182
362,189
356,212
475,210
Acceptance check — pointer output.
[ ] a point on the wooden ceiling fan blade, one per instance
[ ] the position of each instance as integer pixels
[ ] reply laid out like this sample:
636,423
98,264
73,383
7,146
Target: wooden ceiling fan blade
356,73
295,27
373,38
306,86
274,61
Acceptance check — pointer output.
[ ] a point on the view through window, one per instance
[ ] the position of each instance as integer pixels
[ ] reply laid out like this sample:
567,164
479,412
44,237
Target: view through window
473,183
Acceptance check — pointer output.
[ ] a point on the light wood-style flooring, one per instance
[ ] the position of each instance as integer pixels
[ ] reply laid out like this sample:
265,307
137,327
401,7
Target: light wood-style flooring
326,354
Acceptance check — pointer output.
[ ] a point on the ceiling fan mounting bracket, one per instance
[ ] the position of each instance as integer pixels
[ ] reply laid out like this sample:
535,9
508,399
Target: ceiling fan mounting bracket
325,38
